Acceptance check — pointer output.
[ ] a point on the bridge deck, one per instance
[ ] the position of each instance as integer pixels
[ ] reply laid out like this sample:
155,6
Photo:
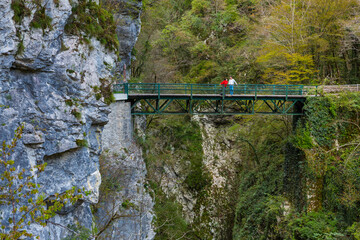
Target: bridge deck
154,98
211,96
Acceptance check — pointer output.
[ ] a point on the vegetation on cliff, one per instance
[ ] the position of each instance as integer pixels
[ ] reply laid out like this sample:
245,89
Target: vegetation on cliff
291,41
20,192
174,144
305,184
88,19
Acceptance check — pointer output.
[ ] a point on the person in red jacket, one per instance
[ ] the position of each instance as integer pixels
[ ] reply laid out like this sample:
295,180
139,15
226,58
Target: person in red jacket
224,83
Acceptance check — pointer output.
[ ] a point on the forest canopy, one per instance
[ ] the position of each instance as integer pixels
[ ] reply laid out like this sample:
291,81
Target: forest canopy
255,41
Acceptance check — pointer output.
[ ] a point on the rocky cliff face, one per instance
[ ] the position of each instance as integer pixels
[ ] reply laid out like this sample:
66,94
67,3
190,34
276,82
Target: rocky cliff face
194,163
124,210
128,29
50,81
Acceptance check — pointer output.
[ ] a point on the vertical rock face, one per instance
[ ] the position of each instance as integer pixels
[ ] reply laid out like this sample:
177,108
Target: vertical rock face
124,210
47,83
221,160
128,19
210,210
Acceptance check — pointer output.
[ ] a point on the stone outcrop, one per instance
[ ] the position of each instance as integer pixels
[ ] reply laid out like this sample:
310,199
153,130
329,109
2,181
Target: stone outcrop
48,82
210,211
124,210
128,19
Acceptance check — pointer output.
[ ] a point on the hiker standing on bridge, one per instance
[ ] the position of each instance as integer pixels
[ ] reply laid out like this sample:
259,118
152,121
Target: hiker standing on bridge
231,85
224,83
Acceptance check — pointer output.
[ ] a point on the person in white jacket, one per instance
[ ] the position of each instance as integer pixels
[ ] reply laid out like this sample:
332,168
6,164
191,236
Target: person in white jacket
231,85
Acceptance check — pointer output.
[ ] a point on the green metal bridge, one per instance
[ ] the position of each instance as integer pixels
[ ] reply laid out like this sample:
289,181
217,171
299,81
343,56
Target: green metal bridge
213,99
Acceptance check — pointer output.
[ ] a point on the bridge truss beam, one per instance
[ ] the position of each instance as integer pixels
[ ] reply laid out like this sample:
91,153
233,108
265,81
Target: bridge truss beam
216,106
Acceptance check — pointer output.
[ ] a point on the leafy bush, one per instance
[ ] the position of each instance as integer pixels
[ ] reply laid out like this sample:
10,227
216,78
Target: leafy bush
314,226
20,10
82,142
41,20
89,19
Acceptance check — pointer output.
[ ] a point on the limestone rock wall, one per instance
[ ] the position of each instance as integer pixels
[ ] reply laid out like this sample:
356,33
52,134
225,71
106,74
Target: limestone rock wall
125,206
221,159
129,24
47,81
210,212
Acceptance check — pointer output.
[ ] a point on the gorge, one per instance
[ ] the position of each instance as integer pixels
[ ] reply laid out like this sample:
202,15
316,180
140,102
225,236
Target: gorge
177,176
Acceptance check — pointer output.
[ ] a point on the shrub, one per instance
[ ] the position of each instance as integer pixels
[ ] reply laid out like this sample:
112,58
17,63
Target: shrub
41,20
314,225
76,113
20,10
88,19
82,142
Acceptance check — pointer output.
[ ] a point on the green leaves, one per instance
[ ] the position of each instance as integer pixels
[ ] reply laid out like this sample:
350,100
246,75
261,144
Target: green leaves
89,19
20,192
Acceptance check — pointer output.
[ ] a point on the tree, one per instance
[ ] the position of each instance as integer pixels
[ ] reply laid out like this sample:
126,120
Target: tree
312,29
20,193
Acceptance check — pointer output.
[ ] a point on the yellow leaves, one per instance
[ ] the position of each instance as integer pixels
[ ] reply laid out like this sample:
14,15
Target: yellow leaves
200,6
199,49
287,68
351,194
306,27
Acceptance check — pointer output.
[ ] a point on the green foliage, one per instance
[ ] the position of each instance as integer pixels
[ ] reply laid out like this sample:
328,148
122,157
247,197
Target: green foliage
314,226
20,193
278,42
20,10
21,48
76,113
175,141
301,41
202,73
40,19
126,204
201,7
82,143
354,229
197,180
105,90
302,138
198,45
169,222
109,99
69,102
293,68
110,181
260,203
79,232
329,140
89,19
320,113
186,140
257,207
63,46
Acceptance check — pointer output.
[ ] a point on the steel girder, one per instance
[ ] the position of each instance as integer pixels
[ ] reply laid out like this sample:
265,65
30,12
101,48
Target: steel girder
217,106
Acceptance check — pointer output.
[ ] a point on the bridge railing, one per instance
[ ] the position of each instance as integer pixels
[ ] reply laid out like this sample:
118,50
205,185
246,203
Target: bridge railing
194,89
